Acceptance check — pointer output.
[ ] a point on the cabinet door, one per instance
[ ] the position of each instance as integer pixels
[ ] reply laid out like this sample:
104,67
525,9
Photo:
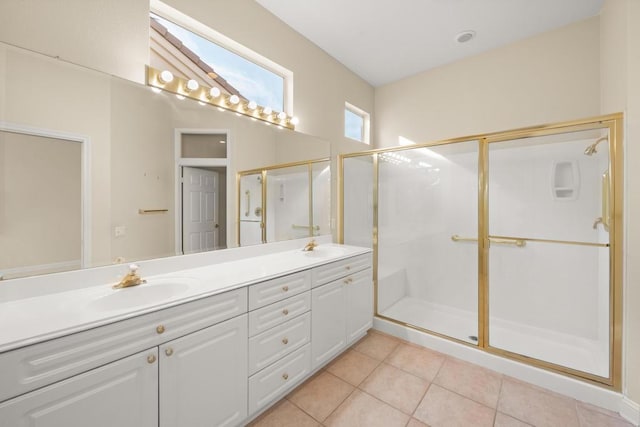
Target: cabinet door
123,393
328,322
359,304
203,377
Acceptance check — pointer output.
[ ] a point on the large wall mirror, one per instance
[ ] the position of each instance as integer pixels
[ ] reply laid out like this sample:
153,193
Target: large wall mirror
98,170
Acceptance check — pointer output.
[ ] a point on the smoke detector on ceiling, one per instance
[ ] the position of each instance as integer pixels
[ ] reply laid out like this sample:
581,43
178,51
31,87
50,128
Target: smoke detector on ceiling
465,36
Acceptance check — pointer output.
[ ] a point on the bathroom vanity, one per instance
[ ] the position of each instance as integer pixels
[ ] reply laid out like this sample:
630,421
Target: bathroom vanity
210,345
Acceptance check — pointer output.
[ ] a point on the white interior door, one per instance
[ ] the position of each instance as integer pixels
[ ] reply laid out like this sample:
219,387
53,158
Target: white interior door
200,228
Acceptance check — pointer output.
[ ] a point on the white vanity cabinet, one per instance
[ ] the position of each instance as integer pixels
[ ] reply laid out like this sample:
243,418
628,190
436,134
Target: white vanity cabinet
196,371
342,306
218,360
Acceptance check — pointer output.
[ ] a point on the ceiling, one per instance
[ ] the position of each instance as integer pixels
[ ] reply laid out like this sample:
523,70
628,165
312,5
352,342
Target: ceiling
384,41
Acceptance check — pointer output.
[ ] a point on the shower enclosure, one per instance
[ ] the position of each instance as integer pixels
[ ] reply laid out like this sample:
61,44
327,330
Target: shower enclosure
508,241
284,202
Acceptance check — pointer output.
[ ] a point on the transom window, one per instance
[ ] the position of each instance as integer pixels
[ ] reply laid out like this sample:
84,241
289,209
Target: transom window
356,123
192,56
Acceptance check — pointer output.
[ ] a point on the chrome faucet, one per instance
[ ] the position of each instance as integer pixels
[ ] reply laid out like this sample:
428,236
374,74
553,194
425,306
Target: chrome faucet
130,279
310,246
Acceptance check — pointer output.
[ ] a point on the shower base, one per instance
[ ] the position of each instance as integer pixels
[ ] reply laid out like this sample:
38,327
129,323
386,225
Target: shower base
562,349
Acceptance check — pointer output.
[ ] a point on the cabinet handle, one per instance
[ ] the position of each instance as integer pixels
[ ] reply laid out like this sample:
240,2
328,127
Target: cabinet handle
285,376
285,341
160,329
285,288
348,267
151,358
285,311
347,281
168,351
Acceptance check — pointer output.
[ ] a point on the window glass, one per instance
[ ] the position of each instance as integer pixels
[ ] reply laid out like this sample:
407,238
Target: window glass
248,79
356,123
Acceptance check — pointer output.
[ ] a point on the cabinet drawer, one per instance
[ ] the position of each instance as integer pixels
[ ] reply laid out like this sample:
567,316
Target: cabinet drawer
272,382
278,289
38,365
272,345
273,315
186,318
335,270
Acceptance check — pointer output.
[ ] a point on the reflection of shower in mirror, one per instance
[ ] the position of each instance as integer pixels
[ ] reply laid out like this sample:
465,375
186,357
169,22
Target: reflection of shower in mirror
591,149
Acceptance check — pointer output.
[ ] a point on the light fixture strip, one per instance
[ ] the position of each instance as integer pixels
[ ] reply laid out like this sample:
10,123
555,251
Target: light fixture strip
178,86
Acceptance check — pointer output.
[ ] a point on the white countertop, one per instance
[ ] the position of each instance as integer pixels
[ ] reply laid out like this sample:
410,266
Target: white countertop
39,318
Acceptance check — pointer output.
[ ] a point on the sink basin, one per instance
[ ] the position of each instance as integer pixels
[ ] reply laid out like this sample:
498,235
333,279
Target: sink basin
326,251
152,292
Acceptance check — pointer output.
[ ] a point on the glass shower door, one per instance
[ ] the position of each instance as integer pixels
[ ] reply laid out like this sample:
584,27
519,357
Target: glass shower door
548,236
427,238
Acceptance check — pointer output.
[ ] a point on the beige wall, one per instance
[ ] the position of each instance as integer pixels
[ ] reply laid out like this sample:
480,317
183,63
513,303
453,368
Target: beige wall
321,84
69,100
113,37
620,87
546,78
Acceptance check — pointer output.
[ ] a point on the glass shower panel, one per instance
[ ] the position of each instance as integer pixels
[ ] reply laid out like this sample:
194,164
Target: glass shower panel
321,193
251,209
549,254
357,209
427,238
288,200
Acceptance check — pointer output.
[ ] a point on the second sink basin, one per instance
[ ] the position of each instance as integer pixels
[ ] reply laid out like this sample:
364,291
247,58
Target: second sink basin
326,251
153,292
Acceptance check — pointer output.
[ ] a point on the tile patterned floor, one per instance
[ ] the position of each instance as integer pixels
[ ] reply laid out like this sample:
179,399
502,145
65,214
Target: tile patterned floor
387,382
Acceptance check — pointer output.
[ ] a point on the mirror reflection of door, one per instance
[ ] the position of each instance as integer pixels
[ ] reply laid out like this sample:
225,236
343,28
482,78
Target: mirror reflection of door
202,192
200,210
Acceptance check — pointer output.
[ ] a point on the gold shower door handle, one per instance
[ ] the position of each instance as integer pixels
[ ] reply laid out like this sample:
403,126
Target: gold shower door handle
503,241
605,201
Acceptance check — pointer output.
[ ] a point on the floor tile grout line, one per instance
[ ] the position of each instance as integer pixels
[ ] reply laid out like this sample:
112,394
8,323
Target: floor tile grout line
388,403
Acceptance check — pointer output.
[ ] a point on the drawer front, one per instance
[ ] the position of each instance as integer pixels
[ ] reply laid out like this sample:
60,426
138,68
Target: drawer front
183,319
271,383
38,365
278,289
335,270
275,314
274,344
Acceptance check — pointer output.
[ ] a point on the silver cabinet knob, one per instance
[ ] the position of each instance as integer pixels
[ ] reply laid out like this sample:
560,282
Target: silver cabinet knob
151,358
168,351
285,341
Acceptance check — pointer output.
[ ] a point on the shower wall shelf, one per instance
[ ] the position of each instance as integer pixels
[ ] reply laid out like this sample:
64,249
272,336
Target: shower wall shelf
565,180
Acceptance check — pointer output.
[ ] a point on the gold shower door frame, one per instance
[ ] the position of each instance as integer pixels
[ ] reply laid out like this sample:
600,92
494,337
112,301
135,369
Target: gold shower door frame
612,123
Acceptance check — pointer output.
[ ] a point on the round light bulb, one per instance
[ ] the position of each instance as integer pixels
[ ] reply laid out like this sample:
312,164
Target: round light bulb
192,85
234,99
166,77
252,105
214,92
282,115
267,111
294,121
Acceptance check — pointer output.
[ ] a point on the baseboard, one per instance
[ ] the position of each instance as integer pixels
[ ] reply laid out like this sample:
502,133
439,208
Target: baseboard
630,411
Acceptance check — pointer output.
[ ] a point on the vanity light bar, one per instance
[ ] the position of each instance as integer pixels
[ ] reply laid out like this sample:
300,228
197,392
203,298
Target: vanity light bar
183,88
